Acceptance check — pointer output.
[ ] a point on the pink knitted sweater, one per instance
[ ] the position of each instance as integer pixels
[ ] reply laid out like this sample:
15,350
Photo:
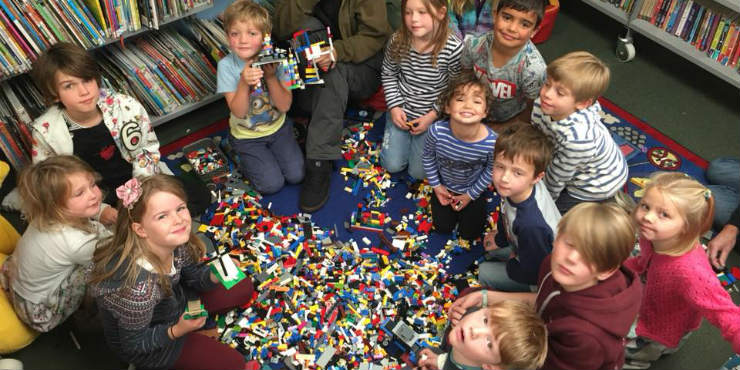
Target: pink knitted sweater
678,292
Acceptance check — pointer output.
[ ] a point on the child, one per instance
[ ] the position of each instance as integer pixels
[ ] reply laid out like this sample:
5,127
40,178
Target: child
420,59
680,286
109,131
144,274
505,335
587,166
458,158
586,298
507,61
528,216
260,132
470,17
45,275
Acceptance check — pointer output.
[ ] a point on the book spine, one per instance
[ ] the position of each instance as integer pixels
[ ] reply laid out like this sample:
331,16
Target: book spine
721,43
12,27
714,36
36,40
690,21
682,18
78,13
69,23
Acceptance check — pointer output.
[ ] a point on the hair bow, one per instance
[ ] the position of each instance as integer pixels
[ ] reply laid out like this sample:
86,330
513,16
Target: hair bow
129,192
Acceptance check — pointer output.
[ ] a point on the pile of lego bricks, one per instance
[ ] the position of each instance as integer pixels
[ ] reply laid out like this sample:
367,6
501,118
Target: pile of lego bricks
327,303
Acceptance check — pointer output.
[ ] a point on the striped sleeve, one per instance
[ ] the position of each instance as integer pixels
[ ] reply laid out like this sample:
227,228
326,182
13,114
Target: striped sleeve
485,178
429,157
390,78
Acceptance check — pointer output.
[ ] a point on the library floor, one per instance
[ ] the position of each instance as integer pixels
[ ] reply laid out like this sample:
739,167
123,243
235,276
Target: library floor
695,108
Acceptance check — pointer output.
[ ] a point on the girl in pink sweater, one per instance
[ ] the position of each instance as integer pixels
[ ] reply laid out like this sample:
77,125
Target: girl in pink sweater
680,286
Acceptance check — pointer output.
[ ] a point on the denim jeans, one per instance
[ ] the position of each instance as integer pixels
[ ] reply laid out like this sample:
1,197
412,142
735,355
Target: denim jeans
723,175
271,161
493,275
401,149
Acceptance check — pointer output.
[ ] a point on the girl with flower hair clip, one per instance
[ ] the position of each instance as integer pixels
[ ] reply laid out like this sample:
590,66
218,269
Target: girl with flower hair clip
44,278
144,275
680,286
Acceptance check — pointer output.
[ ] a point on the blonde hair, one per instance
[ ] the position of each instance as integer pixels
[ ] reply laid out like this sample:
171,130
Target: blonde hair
45,189
400,43
125,246
585,75
521,334
694,202
602,233
247,11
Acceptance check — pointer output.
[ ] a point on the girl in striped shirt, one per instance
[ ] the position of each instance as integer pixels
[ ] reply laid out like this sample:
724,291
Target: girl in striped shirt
420,58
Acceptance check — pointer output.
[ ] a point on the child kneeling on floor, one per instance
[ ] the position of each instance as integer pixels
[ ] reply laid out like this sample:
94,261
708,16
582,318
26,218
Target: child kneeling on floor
504,335
585,296
45,276
146,272
458,158
259,130
680,286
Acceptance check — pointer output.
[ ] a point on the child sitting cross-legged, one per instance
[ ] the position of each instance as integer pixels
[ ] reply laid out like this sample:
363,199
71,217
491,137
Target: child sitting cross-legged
458,158
528,217
585,296
588,165
504,335
146,272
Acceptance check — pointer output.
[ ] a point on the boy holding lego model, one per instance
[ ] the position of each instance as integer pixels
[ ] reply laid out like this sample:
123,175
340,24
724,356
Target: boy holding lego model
259,130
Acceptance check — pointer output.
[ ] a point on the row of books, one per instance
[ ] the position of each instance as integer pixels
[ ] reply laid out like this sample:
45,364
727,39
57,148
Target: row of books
28,27
715,31
625,5
163,70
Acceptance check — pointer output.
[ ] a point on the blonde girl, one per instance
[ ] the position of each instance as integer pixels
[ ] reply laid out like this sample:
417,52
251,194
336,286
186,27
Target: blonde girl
470,17
146,272
680,286
45,275
419,60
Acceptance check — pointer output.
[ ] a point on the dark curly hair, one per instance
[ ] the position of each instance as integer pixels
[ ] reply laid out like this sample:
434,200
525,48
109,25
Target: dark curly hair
459,84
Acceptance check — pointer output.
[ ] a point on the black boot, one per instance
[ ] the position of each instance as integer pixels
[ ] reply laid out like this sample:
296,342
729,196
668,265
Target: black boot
315,189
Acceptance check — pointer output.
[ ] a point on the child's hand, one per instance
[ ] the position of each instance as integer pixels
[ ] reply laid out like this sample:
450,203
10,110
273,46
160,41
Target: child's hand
185,326
251,76
325,61
398,116
461,305
427,360
269,70
489,241
421,124
108,216
443,195
460,201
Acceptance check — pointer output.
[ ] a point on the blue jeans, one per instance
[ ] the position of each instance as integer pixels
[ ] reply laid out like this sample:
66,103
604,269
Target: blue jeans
723,175
271,161
401,149
493,275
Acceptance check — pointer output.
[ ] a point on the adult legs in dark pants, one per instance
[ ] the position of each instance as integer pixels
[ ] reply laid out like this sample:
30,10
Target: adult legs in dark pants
203,352
470,220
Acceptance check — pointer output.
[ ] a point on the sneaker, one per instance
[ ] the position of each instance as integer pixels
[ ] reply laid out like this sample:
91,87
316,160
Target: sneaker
315,189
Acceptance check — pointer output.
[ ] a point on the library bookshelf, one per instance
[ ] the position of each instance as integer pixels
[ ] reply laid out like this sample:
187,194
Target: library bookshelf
638,16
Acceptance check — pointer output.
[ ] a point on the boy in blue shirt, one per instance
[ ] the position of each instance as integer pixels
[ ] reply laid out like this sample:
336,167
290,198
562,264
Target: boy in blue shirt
259,131
587,165
507,61
528,217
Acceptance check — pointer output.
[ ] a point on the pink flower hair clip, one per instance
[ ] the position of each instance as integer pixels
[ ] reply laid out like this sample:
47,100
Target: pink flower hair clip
129,193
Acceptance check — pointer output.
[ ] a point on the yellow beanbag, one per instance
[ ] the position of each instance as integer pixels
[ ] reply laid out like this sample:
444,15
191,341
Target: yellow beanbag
14,332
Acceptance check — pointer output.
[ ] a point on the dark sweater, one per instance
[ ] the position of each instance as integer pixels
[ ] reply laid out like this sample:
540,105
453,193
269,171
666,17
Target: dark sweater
586,328
136,320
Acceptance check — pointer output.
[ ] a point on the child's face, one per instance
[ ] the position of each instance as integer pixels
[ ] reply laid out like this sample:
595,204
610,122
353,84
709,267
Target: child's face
512,28
166,221
419,21
84,195
569,268
78,96
467,105
557,101
245,39
659,220
473,340
515,178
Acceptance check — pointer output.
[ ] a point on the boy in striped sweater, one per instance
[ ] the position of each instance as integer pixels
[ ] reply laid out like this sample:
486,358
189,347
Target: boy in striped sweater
458,158
587,165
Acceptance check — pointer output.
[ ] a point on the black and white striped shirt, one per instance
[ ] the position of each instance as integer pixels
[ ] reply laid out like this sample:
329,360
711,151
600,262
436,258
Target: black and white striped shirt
586,159
414,84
